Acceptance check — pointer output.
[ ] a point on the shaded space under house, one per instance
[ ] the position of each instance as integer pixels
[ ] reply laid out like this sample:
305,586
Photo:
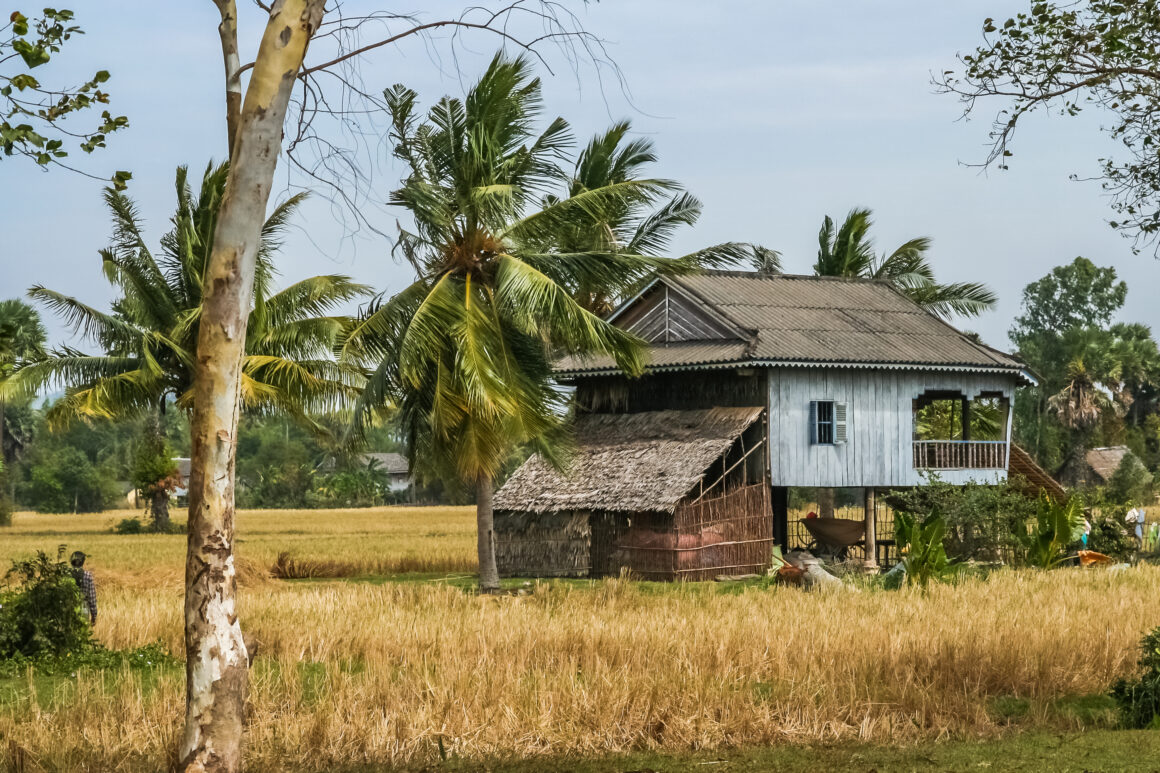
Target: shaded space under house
674,494
859,388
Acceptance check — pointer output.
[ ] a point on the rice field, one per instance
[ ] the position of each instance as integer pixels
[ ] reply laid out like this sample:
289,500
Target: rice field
360,673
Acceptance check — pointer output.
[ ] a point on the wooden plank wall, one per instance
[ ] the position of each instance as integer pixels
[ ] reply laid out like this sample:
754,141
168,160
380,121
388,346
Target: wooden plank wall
725,388
881,425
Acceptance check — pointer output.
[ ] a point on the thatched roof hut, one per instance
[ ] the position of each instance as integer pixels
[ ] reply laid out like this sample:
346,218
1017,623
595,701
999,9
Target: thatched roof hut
665,494
1095,468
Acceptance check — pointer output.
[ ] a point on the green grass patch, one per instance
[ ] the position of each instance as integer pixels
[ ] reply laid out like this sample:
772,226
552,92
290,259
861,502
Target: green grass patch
1101,751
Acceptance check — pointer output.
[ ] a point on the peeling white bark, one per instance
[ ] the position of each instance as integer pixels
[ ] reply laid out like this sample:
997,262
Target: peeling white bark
216,656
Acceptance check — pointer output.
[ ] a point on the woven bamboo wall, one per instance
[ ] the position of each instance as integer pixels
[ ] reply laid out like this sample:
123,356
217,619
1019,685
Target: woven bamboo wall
548,545
730,534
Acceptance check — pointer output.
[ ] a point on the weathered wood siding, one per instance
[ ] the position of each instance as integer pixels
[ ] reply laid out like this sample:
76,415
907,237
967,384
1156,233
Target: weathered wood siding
726,388
664,315
879,451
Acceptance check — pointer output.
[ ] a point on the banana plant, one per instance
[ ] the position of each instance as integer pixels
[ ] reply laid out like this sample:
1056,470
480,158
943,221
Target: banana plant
1057,525
921,543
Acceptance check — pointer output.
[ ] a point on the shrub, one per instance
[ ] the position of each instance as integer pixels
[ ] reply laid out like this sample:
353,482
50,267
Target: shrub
1057,525
1131,482
40,609
129,526
921,544
1139,699
1110,534
153,655
981,520
136,526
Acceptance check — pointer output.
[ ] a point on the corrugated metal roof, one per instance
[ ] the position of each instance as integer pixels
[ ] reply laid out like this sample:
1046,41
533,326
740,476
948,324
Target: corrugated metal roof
389,462
802,319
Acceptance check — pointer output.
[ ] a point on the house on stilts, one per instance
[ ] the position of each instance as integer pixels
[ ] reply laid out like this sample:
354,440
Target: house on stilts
756,383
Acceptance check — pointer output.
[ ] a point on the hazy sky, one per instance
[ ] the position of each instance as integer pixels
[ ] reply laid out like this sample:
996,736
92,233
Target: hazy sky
773,113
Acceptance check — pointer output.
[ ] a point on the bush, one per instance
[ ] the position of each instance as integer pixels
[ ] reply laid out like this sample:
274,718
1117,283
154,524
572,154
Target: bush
1139,699
1057,525
94,657
129,526
1131,482
136,526
981,521
1110,534
924,557
40,609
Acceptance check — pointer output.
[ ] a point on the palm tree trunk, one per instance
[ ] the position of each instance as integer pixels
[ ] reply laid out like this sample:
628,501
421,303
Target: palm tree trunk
216,657
485,526
159,498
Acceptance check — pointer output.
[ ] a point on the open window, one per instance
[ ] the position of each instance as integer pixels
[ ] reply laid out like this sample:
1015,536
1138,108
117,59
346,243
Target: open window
955,432
828,423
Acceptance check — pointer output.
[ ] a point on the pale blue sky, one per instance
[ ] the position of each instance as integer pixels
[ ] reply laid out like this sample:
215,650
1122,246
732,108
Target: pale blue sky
773,113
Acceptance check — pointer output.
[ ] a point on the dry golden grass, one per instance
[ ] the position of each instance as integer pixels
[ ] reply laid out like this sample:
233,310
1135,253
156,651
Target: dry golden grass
359,673
381,540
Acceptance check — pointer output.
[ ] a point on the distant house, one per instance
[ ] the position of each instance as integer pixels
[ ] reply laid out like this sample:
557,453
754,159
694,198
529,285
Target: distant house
1096,468
849,383
183,468
394,465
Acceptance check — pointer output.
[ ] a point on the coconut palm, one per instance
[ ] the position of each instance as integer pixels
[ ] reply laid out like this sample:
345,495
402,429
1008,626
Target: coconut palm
464,353
848,251
633,227
149,340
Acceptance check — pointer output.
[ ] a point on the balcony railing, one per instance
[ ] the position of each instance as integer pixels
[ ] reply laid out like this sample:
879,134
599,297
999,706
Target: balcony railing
960,454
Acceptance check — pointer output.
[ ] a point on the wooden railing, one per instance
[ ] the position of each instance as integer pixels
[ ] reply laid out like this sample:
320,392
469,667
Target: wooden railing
960,454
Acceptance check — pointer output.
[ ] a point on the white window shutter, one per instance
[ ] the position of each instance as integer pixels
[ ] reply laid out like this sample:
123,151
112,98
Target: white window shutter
840,433
813,422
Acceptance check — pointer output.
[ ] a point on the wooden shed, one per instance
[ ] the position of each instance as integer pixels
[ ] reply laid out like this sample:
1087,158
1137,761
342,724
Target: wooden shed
676,494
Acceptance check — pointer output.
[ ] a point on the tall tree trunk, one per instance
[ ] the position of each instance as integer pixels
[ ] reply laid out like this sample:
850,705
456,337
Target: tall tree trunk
159,497
485,527
825,503
216,655
159,511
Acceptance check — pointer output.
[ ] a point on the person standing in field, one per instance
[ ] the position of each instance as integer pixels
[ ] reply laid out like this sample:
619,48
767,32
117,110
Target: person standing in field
1136,516
85,582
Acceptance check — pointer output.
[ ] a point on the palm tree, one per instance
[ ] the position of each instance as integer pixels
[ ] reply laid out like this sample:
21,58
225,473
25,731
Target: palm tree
848,251
1093,374
632,227
464,353
150,338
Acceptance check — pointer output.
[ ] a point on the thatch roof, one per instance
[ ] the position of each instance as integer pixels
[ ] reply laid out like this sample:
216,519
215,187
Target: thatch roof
1106,460
804,320
634,462
1020,463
